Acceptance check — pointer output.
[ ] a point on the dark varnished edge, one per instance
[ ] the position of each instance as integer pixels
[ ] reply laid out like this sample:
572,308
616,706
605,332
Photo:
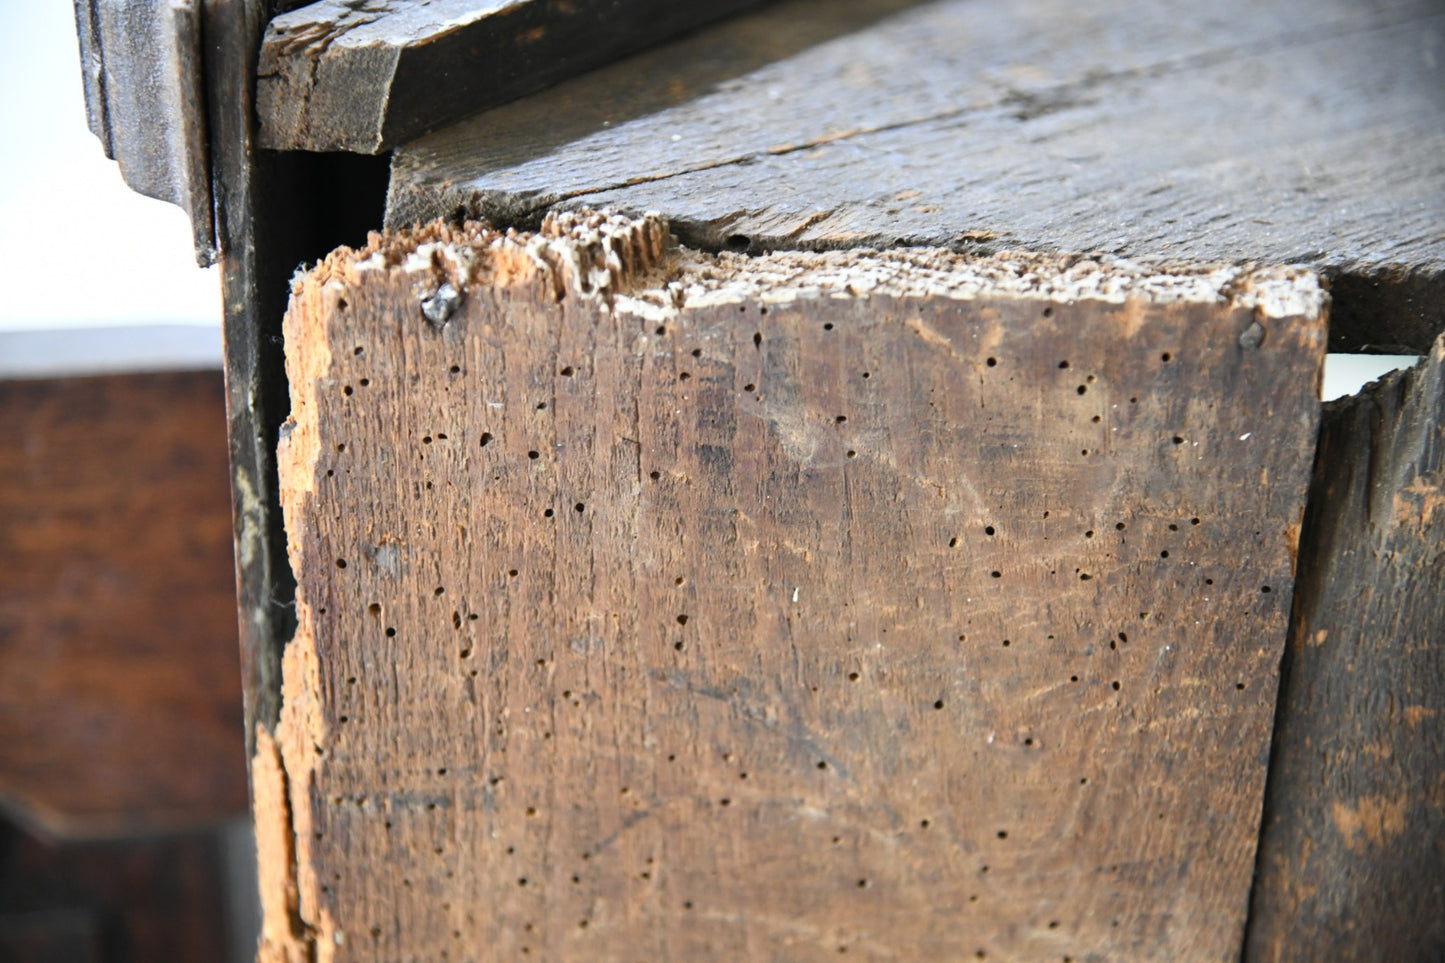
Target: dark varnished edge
274,211
232,32
486,62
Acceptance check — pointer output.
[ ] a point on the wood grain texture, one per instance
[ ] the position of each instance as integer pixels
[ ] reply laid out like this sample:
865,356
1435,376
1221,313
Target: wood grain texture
339,75
120,695
1280,132
1352,861
660,604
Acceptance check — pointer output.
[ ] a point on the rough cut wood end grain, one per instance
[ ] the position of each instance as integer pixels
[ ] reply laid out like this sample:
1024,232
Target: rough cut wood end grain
901,604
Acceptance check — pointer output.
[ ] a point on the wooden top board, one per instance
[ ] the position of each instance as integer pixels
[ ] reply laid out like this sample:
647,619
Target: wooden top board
341,75
1286,132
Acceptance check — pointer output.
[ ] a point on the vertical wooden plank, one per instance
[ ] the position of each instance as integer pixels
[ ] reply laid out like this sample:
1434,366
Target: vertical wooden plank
1352,860
274,210
895,604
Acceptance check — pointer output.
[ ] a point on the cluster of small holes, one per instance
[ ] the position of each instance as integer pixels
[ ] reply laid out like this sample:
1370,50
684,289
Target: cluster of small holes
990,531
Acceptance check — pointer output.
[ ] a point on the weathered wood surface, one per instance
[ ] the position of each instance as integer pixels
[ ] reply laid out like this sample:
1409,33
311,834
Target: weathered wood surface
338,75
658,604
120,696
1352,862
1279,132
254,223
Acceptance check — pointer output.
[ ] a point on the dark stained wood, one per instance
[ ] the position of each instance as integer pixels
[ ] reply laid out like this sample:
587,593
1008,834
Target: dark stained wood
338,75
1279,132
656,604
274,211
114,901
141,64
46,936
250,225
120,696
1352,860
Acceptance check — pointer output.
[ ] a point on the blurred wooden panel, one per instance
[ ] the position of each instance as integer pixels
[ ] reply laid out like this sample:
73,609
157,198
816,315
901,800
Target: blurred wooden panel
113,901
341,75
120,699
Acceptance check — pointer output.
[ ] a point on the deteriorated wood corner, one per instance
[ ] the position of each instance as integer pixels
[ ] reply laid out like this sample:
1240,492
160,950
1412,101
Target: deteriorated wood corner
706,606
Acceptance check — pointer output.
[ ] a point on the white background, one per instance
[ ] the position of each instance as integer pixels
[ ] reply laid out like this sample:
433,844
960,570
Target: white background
77,248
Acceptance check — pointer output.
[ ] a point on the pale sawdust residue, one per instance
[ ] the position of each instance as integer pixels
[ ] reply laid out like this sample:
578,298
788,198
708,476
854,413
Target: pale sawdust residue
633,266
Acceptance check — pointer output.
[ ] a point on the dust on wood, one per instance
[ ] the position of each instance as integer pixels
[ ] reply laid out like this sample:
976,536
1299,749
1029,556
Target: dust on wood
659,603
1280,132
1351,861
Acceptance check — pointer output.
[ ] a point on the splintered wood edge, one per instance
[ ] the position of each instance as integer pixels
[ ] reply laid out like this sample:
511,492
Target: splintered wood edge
634,267
631,267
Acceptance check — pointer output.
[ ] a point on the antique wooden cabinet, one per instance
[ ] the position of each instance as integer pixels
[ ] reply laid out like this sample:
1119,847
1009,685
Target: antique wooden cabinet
849,479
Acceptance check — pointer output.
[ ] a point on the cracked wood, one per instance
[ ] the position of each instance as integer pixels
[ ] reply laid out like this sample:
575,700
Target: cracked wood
1352,861
1281,132
652,602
